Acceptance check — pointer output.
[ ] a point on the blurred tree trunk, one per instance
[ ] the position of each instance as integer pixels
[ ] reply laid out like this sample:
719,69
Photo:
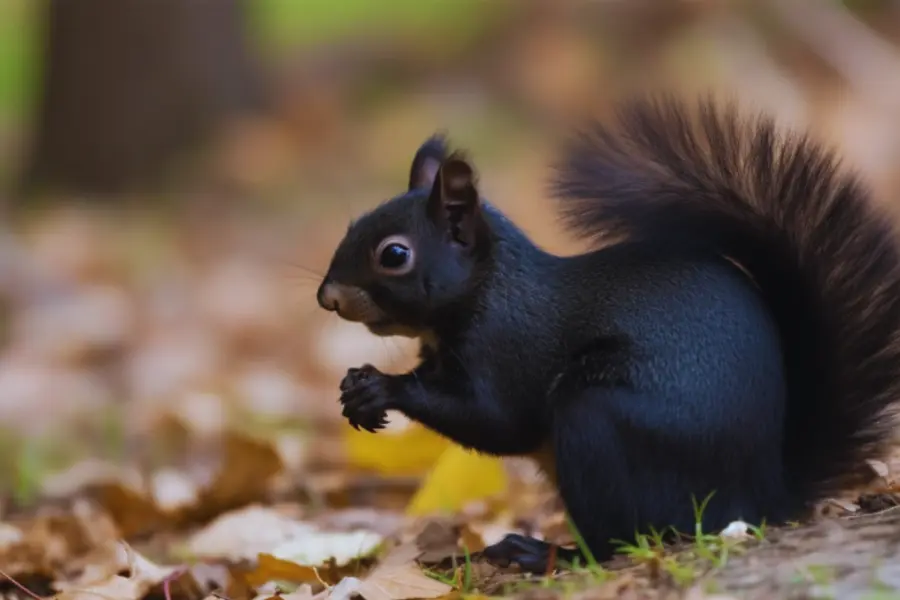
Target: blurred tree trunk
129,84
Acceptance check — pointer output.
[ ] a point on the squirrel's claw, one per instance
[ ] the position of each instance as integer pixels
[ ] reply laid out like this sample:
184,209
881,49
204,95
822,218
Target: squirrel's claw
530,554
365,398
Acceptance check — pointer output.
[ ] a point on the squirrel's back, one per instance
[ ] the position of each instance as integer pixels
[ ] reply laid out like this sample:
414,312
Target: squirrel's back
824,257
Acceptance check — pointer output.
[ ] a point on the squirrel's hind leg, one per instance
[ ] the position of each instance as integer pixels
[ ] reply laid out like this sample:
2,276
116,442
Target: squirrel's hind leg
593,479
629,463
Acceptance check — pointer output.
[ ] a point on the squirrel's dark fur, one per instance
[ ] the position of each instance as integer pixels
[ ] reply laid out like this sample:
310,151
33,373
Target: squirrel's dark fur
739,338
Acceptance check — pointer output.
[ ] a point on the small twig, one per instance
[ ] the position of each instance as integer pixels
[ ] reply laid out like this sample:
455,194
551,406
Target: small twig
315,571
167,582
20,586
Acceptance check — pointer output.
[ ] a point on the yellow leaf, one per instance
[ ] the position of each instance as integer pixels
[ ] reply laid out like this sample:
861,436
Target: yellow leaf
406,451
458,477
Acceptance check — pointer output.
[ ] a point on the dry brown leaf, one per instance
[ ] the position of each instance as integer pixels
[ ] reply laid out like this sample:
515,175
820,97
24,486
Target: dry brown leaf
143,575
247,468
270,568
98,566
134,513
116,587
52,538
227,580
438,540
401,582
398,577
470,540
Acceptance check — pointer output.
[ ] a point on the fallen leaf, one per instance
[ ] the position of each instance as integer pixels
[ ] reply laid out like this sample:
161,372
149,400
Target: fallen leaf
247,468
245,533
388,451
271,568
438,540
458,477
470,540
118,587
398,577
133,511
143,576
346,588
317,547
53,538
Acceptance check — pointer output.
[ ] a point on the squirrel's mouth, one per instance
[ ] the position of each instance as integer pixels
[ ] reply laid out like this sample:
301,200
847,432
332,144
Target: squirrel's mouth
351,303
354,304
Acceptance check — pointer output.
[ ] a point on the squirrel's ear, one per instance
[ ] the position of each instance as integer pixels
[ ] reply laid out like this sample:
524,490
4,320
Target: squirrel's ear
454,201
427,161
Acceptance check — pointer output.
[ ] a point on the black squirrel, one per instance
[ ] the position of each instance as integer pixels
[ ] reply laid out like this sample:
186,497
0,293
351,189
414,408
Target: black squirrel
738,342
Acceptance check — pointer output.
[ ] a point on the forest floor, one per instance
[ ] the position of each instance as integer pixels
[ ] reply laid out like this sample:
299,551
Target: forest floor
169,425
228,471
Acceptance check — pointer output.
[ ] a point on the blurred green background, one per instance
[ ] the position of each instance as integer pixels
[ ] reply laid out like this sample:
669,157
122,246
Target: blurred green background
174,175
277,27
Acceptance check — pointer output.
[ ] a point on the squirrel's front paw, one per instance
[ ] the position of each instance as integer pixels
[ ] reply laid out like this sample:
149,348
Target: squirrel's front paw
365,397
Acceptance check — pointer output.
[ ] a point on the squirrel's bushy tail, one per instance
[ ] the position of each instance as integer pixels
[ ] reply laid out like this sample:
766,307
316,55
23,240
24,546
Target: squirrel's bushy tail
778,204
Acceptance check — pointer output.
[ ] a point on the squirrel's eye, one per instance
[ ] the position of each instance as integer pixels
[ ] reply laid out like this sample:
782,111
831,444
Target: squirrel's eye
394,256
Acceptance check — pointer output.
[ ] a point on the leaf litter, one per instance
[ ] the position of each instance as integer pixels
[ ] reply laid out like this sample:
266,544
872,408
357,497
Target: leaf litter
232,474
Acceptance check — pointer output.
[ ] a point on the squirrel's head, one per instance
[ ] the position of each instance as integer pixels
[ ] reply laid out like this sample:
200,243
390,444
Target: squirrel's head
399,265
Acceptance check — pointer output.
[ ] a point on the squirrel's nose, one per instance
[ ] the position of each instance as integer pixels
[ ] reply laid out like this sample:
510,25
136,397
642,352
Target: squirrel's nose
328,296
